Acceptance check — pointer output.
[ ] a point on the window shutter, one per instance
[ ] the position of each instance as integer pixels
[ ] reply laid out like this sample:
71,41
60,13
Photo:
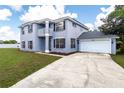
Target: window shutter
28,28
54,43
64,43
22,32
54,26
64,24
31,27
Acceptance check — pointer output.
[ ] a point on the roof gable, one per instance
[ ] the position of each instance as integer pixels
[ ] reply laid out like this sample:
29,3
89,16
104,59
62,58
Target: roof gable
56,20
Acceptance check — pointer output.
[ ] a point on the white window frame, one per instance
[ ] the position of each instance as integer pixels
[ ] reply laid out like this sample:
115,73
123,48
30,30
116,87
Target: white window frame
23,44
60,43
30,44
59,26
73,43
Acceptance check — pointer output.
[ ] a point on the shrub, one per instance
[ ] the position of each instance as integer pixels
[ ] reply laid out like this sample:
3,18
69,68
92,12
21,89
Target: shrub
122,48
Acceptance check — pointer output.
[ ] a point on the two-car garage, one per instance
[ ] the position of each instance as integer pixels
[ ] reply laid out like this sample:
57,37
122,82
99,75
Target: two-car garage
97,42
95,45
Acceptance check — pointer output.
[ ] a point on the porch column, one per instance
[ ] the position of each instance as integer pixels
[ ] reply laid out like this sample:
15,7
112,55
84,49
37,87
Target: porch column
47,36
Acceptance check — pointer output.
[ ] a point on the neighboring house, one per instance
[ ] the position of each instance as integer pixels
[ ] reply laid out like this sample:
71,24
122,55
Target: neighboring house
63,35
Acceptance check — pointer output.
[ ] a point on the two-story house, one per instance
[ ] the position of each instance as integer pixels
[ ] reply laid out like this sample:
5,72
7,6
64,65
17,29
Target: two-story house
47,35
63,35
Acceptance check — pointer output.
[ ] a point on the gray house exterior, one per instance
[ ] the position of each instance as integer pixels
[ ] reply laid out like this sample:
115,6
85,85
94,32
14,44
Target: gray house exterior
48,35
64,35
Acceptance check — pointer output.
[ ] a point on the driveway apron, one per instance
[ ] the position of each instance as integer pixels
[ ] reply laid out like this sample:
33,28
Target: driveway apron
78,70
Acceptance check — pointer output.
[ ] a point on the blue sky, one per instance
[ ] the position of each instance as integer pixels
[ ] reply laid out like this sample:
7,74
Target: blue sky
86,13
13,16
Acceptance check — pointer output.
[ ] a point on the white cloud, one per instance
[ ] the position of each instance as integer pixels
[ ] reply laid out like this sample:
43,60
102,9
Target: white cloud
7,34
45,11
16,7
98,21
90,26
108,10
5,14
104,13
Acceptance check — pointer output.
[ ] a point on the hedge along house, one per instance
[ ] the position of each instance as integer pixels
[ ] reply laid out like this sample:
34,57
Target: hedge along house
63,35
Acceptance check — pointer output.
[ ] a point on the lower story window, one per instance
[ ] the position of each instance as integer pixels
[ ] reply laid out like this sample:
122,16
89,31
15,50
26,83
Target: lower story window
72,43
59,43
30,44
23,44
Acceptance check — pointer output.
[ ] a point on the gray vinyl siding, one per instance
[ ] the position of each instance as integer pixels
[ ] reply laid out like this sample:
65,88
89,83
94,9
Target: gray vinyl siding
60,34
39,42
68,33
27,37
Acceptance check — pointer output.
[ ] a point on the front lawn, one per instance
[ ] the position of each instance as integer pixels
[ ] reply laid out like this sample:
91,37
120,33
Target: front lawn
119,59
16,65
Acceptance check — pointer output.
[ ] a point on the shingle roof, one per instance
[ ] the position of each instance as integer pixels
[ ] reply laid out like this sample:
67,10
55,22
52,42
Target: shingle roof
95,34
35,21
73,20
59,19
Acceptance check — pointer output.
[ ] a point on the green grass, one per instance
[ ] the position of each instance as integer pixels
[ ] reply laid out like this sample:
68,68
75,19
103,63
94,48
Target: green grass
119,59
16,65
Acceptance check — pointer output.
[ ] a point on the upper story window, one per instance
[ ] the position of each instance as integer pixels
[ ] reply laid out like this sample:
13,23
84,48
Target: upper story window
51,25
73,42
59,43
74,24
22,31
30,44
60,26
30,28
27,28
23,44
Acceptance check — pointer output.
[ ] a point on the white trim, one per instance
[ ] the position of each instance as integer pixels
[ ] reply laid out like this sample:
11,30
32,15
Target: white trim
94,39
46,34
47,21
59,37
47,51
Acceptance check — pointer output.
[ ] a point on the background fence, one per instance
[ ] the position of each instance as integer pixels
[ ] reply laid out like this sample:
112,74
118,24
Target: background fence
9,45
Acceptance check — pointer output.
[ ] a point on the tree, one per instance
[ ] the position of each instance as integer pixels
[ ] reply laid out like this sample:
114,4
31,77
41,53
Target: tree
10,42
6,42
117,7
114,24
13,41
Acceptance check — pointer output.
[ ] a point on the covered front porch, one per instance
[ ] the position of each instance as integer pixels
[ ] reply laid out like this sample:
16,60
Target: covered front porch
44,33
45,44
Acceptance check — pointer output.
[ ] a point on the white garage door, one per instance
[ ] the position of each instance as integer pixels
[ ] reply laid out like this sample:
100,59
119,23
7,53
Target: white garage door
95,45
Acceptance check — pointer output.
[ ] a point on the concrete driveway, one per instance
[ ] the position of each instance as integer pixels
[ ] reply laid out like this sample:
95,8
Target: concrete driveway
78,70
